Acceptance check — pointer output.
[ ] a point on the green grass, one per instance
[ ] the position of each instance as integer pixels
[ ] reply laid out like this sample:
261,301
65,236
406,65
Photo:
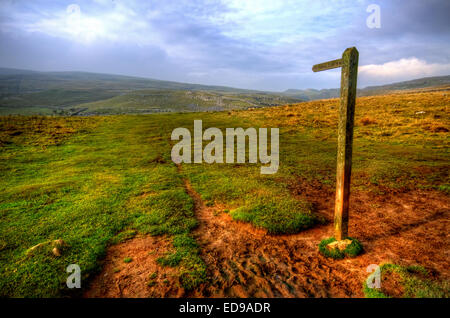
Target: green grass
96,181
186,255
415,282
277,216
96,186
123,236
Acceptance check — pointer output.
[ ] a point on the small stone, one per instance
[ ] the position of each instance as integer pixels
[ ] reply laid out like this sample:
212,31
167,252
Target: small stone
340,245
56,251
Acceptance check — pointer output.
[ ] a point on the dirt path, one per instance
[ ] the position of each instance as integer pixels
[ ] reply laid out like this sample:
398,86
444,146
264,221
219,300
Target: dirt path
140,278
404,228
246,262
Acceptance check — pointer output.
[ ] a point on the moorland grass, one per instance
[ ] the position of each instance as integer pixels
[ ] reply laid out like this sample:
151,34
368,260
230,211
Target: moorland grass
95,181
88,190
278,216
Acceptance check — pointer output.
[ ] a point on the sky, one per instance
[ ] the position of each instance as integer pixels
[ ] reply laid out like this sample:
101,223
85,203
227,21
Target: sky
254,44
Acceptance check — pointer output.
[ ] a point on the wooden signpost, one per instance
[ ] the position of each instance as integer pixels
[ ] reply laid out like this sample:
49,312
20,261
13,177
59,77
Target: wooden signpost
349,75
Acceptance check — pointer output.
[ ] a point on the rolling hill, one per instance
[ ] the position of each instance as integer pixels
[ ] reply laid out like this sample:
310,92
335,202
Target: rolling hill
27,92
15,81
80,93
314,94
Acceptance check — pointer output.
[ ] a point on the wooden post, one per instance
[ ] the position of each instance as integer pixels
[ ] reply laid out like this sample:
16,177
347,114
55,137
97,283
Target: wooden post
349,75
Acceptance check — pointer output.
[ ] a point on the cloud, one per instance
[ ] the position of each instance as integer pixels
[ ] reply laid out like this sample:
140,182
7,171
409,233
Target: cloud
86,24
400,70
272,22
259,44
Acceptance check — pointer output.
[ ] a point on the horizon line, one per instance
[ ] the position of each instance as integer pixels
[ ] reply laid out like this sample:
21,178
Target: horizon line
212,85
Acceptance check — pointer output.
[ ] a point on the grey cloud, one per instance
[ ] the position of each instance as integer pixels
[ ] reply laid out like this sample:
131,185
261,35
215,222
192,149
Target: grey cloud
190,46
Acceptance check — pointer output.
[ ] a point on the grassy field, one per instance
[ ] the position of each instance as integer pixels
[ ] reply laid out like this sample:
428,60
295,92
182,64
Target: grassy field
95,181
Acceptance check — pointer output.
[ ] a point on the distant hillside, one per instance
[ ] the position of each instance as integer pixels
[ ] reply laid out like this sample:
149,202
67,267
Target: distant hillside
79,93
153,101
414,84
313,94
13,81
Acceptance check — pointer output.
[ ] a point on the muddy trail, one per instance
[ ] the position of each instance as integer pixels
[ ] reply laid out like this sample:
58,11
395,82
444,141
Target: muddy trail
403,228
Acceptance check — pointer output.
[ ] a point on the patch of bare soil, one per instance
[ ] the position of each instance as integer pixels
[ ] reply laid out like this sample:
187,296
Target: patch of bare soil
142,277
403,228
391,285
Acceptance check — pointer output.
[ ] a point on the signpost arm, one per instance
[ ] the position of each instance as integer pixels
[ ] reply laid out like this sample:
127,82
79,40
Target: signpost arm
327,65
349,64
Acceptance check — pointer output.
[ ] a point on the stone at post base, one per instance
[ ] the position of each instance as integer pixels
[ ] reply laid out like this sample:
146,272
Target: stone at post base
340,245
333,248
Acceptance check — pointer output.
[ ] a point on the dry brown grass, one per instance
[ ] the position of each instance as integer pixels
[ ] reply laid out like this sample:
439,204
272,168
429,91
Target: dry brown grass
42,130
367,121
419,116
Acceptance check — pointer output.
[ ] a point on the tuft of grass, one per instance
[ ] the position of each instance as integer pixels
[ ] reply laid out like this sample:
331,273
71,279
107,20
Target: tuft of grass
187,255
171,212
277,216
444,188
127,260
123,236
352,250
152,278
